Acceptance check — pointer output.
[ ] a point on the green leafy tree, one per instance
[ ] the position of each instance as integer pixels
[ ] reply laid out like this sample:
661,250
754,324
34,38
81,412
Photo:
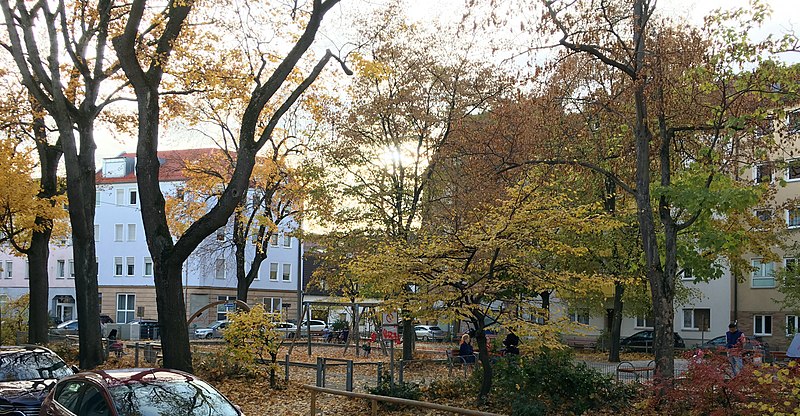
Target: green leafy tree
251,338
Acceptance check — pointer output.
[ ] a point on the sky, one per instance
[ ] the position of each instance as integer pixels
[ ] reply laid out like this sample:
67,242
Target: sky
785,18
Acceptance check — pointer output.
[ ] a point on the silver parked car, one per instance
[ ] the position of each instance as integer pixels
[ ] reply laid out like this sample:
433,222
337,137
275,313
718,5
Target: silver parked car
287,329
213,331
429,333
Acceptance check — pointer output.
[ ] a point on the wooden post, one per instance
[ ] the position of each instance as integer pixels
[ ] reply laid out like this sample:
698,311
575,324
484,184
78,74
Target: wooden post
287,368
313,402
136,355
374,407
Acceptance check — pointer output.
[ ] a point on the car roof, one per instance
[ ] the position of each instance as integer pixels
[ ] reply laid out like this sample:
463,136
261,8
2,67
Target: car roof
123,376
15,349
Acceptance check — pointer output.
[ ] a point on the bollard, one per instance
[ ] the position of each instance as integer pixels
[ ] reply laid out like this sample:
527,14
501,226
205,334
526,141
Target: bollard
136,355
287,368
320,365
348,383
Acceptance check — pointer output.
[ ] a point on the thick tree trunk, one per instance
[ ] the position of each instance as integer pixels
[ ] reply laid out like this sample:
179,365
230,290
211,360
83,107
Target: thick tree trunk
38,252
408,337
172,314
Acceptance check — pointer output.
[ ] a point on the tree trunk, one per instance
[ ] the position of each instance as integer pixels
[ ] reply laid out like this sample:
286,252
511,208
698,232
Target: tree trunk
172,314
483,355
616,323
38,252
408,337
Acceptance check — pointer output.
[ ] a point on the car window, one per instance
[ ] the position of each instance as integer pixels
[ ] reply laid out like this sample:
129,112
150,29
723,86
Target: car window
94,403
435,328
68,395
31,366
175,398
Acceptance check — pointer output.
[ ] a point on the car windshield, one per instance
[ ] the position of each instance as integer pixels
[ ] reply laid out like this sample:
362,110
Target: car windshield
32,366
435,328
175,398
216,325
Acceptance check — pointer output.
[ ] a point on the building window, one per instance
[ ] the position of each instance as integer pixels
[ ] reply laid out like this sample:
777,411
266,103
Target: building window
129,265
120,196
148,266
793,217
97,233
687,274
763,274
132,197
117,266
118,231
219,269
762,325
131,232
792,324
27,269
97,198
699,319
9,271
580,315
287,240
179,193
72,269
126,307
645,321
273,271
224,308
287,272
790,265
763,214
60,269
272,305
793,170
793,121
273,240
763,173
221,234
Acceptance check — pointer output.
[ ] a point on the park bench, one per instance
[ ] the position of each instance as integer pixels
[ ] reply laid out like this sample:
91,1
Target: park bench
454,359
628,367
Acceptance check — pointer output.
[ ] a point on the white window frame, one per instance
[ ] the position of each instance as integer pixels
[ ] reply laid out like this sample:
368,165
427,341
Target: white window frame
287,241
269,304
71,269
579,315
127,310
687,275
119,232
97,233
641,322
788,171
119,266
61,268
763,319
273,240
223,309
795,324
771,173
694,326
273,272
97,198
120,197
8,271
286,272
791,260
131,232
130,266
133,193
147,262
761,274
219,269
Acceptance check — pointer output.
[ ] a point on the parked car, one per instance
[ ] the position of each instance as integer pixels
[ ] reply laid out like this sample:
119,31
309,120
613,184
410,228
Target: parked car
752,346
135,392
27,373
429,332
288,329
148,328
66,328
213,331
316,326
643,341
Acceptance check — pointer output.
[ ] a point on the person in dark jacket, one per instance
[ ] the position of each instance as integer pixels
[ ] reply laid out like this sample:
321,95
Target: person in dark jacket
465,350
734,339
512,343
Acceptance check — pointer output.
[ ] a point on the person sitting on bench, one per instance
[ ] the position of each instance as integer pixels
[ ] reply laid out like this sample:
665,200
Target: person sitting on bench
465,350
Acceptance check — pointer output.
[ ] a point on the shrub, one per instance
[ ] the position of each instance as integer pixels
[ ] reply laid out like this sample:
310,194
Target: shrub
403,390
552,383
219,366
450,389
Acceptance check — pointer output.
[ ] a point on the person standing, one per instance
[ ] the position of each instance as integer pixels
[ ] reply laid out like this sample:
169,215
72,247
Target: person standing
734,339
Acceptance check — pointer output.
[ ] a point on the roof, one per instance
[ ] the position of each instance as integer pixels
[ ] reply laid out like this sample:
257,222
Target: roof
173,163
138,375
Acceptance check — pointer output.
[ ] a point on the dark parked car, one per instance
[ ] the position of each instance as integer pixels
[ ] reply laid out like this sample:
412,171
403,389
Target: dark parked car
752,345
643,341
136,392
27,373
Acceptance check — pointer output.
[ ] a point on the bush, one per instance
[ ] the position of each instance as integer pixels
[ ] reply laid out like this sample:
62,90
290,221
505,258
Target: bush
403,390
450,389
552,383
219,366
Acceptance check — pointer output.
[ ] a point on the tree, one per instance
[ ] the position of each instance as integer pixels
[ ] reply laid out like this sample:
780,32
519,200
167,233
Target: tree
406,103
702,112
264,109
492,269
251,337
60,53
